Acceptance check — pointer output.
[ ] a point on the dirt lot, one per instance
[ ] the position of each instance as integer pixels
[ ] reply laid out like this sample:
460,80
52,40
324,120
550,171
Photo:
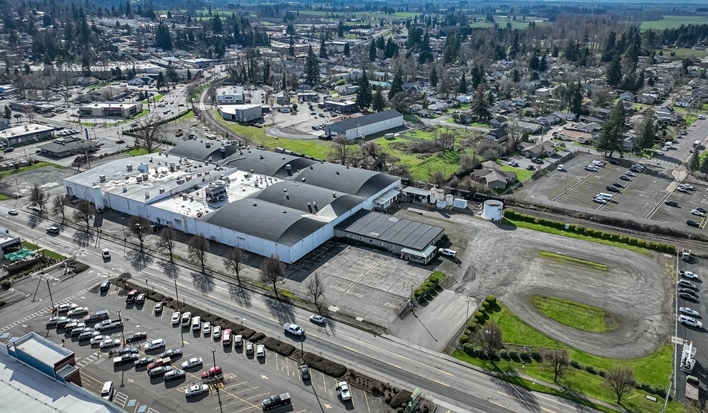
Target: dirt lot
506,263
49,178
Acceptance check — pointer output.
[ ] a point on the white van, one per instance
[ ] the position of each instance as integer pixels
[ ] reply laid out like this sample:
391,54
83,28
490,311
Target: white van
196,323
107,392
604,195
598,163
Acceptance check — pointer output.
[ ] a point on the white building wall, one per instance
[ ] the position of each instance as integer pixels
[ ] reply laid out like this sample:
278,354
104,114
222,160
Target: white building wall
369,203
375,127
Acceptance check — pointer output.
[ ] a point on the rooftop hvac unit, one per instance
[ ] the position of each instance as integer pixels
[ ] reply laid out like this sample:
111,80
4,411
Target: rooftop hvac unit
145,177
180,181
288,167
129,167
147,195
138,178
102,178
125,189
162,190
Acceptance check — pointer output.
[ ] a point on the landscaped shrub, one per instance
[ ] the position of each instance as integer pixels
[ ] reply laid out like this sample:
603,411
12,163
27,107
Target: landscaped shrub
575,364
644,386
326,366
472,326
633,241
642,243
491,299
485,305
6,284
278,346
525,356
468,349
601,373
536,355
659,391
463,338
418,292
503,353
590,369
589,231
513,354
479,315
256,337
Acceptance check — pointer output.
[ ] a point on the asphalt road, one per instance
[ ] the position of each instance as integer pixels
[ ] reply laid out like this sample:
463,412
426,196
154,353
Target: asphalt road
451,384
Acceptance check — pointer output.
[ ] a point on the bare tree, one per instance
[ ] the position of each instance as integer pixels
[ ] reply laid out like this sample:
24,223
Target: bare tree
558,362
59,201
166,242
446,140
316,289
620,380
341,150
139,228
370,148
149,132
489,337
272,271
39,197
234,261
198,249
84,213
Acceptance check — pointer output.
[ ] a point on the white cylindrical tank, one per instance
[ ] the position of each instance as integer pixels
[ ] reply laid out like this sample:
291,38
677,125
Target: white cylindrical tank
449,200
432,195
440,204
493,210
439,195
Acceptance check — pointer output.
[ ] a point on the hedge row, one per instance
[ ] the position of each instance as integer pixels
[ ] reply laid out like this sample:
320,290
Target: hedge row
591,232
436,276
478,319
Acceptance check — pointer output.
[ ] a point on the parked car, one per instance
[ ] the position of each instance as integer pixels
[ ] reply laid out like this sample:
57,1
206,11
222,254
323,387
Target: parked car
561,168
175,317
249,348
109,343
600,200
206,328
106,254
625,178
193,363
671,203
87,335
688,311
687,296
144,361
618,185
305,372
448,252
688,274
97,339
158,308
172,353
700,209
686,283
630,173
156,344
531,168
159,362
591,168
690,321
612,188
260,351
212,372
692,223
174,375
136,337
77,311
216,332
196,390
159,371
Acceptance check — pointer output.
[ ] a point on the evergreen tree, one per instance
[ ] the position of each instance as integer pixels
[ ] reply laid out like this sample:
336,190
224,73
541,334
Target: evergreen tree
163,38
554,53
323,49
533,62
704,168
542,64
479,106
379,103
372,51
189,74
397,83
312,68
346,49
575,98
647,131
363,92
612,132
160,81
515,76
434,77
172,73
291,47
463,85
8,113
381,43
694,164
340,29
614,72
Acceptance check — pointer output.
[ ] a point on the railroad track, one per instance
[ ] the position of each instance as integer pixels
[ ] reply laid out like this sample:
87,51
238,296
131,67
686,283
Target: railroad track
695,245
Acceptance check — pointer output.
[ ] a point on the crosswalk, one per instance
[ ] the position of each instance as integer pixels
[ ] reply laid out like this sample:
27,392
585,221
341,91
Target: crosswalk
43,312
87,360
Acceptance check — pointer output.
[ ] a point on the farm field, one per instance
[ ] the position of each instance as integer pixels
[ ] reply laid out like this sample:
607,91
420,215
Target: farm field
671,22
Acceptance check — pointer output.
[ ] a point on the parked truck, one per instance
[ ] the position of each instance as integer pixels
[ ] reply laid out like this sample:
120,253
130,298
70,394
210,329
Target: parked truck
686,254
692,385
276,401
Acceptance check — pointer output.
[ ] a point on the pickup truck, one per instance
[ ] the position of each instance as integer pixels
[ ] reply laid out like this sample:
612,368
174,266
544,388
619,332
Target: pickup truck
692,385
276,401
686,255
343,391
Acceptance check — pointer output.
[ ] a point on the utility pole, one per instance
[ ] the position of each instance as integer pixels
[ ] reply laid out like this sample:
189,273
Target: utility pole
176,293
50,294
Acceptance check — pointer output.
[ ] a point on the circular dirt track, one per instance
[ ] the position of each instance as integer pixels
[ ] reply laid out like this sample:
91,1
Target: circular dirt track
506,263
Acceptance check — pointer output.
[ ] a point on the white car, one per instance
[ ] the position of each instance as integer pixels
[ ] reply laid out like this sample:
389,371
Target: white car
698,213
690,321
196,390
448,252
63,308
343,391
13,211
686,186
156,344
293,329
688,311
689,274
316,318
106,254
77,311
98,339
207,328
216,332
260,351
681,189
175,317
111,342
591,168
192,363
630,173
600,200
561,168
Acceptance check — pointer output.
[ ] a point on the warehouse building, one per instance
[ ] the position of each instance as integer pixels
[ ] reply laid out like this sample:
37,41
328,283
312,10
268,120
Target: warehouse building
365,125
241,113
25,134
342,106
264,202
411,240
204,150
229,95
111,109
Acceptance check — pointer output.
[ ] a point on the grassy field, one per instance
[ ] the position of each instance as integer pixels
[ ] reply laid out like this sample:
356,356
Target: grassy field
579,316
671,22
653,369
139,151
683,52
29,168
521,173
573,260
188,116
502,23
4,197
421,168
556,231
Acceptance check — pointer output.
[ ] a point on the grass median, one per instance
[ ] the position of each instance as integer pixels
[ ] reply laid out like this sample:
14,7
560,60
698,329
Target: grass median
576,315
573,260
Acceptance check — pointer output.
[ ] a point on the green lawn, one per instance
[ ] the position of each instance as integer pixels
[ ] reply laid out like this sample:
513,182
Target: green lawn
419,134
556,231
521,173
139,151
29,168
4,197
311,147
681,53
653,369
421,168
188,116
579,316
573,260
155,98
671,22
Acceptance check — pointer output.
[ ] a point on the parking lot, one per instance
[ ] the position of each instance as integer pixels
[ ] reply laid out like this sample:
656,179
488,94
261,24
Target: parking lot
246,380
690,334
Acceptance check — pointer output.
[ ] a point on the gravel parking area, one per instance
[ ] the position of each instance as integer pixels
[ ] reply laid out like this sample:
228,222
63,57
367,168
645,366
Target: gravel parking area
506,263
48,178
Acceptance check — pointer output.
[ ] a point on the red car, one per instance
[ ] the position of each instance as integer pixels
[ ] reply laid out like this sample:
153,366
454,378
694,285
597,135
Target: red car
159,362
214,371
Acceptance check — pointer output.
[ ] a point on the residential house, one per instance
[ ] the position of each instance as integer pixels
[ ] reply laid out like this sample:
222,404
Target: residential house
438,106
667,113
520,102
493,176
537,150
629,142
544,91
590,119
647,98
627,96
548,120
136,81
572,134
498,122
567,117
528,127
601,113
592,127
347,89
498,135
627,106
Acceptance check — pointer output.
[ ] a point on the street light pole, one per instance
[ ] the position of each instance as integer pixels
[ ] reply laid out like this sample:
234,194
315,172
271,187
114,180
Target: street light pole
176,293
50,294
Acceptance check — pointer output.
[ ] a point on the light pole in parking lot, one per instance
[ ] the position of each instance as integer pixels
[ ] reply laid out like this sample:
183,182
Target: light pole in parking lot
213,355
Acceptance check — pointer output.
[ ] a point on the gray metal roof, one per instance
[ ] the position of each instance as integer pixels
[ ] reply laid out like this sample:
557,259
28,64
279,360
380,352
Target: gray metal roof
265,220
347,124
355,181
267,163
387,228
308,198
197,149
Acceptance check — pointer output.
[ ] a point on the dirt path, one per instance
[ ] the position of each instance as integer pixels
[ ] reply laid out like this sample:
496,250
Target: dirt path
506,263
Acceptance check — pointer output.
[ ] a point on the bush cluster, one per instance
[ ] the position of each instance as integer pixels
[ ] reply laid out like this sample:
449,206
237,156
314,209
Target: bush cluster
591,232
436,276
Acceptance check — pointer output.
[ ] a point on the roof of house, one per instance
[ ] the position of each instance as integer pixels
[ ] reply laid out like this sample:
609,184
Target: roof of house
495,176
353,123
69,144
387,228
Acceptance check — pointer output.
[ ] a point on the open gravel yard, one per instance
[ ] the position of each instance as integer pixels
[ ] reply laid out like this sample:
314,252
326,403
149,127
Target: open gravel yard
506,263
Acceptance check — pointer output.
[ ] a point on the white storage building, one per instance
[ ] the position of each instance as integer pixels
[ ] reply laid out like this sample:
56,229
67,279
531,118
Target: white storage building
265,202
241,113
229,95
365,125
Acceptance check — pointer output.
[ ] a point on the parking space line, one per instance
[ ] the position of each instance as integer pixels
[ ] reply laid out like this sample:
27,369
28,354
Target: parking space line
366,399
242,399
